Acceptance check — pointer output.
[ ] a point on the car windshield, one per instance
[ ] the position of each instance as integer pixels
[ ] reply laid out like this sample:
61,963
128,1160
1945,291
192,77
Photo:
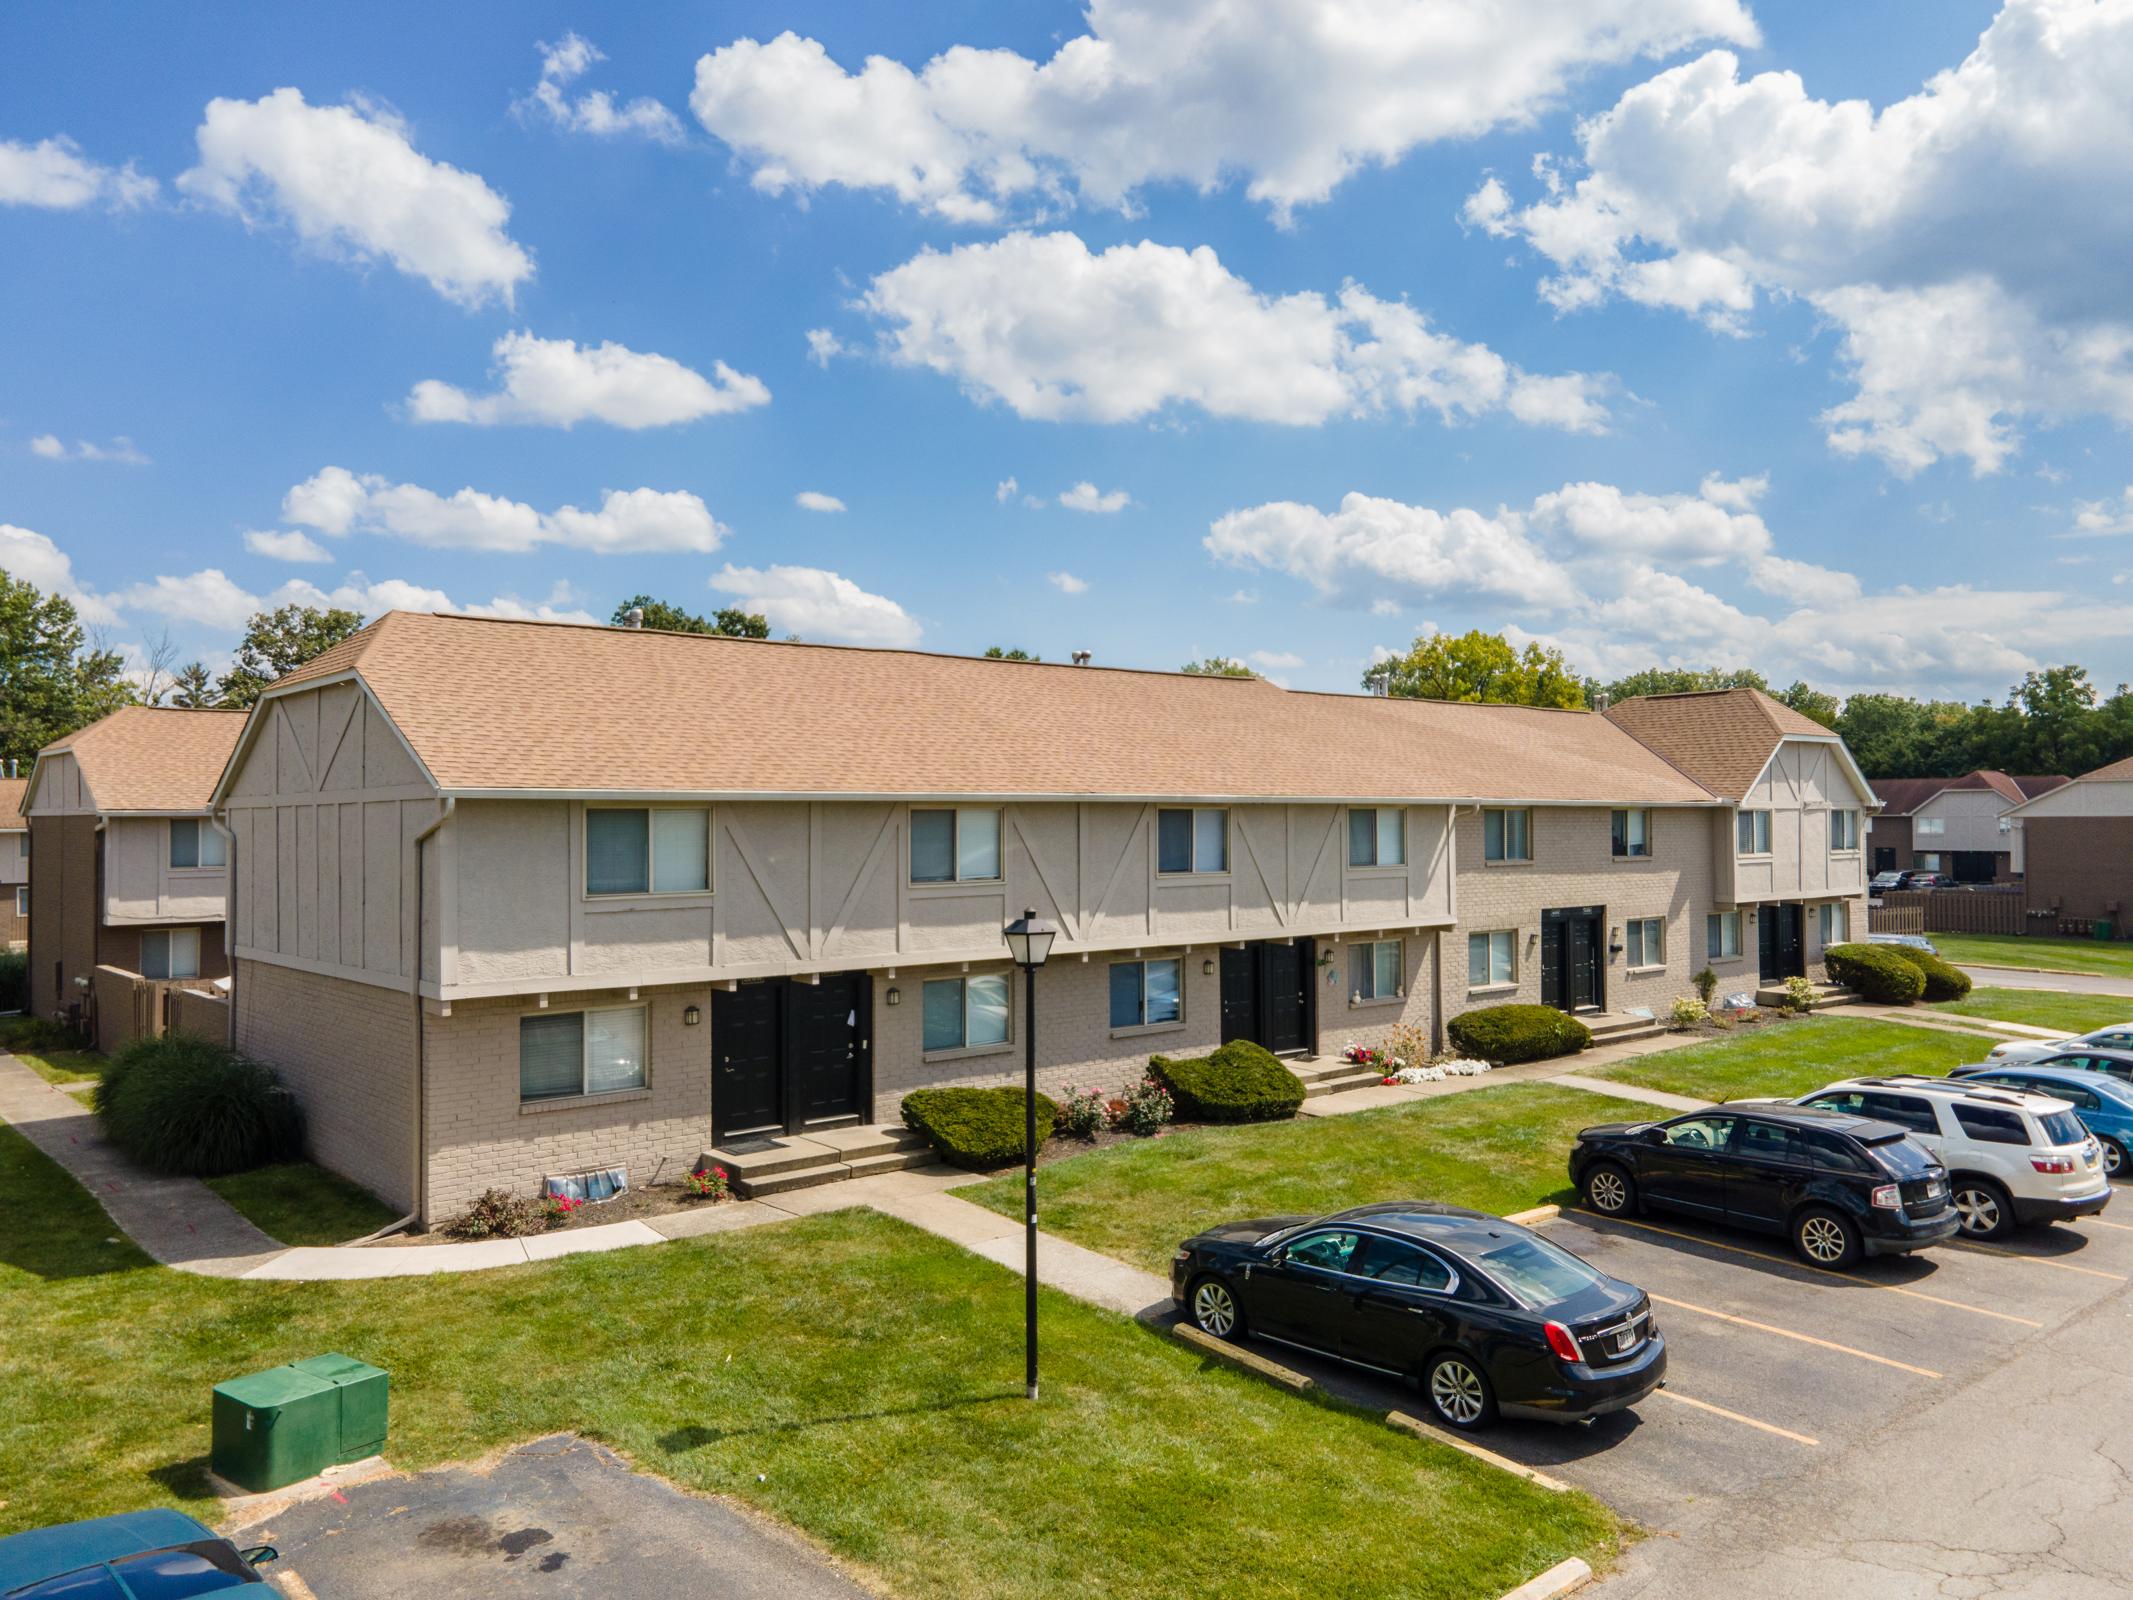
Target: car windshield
2062,1127
1538,1272
189,1569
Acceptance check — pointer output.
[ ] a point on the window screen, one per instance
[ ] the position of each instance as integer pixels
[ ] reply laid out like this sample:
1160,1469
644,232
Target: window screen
551,1056
1173,841
977,845
614,1050
933,847
1392,838
1210,840
184,842
618,851
681,850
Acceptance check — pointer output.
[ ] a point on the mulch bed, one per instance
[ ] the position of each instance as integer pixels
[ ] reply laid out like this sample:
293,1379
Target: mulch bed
649,1200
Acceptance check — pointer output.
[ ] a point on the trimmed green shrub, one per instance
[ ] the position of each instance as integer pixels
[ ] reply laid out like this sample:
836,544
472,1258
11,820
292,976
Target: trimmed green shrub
184,1105
1240,1082
14,979
976,1128
1514,1033
1875,972
1943,981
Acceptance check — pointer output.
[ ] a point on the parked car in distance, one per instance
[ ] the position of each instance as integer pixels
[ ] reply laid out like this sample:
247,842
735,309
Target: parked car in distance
2115,1036
2013,1159
2091,1058
1488,1317
1882,882
1925,880
136,1555
1838,1184
1910,941
2103,1103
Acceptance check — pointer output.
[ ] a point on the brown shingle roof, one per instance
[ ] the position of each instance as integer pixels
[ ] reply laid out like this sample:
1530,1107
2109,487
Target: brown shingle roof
497,705
1902,796
152,758
1723,738
2116,772
11,791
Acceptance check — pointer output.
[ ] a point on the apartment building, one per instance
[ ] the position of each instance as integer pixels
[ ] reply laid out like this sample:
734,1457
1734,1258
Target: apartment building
2078,849
14,864
1962,828
132,870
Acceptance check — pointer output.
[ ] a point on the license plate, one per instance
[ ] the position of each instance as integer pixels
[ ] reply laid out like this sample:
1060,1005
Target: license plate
1625,1340
1936,1189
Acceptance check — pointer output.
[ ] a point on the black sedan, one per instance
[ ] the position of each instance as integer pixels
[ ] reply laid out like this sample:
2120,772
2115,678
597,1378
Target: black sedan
1488,1317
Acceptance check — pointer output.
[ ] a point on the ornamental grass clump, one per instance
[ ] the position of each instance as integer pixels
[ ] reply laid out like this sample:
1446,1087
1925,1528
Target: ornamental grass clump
184,1105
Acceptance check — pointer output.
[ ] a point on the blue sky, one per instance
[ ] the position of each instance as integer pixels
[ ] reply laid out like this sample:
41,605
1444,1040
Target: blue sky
1734,373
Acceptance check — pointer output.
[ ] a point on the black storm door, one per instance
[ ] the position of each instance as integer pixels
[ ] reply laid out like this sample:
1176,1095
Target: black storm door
1285,978
826,1047
1240,994
746,1040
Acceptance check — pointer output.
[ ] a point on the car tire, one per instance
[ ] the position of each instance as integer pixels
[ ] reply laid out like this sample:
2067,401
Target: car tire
1610,1190
1212,1305
1459,1393
1983,1210
2115,1159
1826,1238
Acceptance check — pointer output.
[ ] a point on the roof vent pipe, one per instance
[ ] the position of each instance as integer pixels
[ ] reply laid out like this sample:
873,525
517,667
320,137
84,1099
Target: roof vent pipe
634,617
1081,658
1601,700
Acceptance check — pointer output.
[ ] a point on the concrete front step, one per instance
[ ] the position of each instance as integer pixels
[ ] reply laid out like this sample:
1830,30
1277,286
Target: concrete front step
1826,995
769,1163
1335,1082
760,1188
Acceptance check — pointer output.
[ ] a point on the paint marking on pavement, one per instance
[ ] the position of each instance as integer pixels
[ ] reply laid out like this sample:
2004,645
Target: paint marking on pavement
2043,1261
2122,1227
293,1586
1801,1266
1735,1416
1787,1333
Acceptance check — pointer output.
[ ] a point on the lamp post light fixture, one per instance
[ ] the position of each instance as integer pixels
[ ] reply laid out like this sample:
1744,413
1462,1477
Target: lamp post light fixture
1029,941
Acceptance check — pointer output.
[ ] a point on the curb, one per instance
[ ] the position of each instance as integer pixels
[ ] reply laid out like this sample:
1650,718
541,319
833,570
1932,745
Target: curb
2050,972
1527,1219
1243,1360
1559,1579
1539,1479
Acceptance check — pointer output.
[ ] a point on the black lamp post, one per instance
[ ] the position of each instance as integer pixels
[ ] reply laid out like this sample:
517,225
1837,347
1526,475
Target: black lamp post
1029,941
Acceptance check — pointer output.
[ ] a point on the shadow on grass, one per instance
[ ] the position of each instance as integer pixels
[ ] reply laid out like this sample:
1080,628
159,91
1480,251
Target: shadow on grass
186,1480
682,1440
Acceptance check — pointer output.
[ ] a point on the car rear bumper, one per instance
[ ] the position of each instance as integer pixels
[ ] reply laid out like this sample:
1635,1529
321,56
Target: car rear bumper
1581,1391
2062,1208
1908,1234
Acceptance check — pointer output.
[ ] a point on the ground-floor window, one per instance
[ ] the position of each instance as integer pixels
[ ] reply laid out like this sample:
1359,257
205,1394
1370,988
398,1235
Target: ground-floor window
1721,935
1490,957
565,1053
1379,968
171,953
1929,861
965,1013
1833,922
1146,992
22,900
1646,937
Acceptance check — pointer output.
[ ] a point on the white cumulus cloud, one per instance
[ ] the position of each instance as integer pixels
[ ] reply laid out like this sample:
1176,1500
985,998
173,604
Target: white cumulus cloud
819,605
555,383
816,500
30,557
336,501
1085,496
349,181
285,545
373,598
120,450
594,111
209,598
1067,583
54,175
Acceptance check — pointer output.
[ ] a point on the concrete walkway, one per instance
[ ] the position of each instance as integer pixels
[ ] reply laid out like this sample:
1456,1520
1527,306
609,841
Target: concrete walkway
1630,1091
181,1222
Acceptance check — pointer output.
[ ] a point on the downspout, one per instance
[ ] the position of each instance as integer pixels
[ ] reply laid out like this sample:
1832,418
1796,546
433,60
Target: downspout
229,911
422,1066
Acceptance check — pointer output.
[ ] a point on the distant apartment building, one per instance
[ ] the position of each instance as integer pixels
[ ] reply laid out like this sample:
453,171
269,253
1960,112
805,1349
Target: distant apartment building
14,863
1961,828
2077,841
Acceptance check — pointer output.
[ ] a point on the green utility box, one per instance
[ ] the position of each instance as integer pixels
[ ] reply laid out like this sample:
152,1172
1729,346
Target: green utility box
2100,928
289,1423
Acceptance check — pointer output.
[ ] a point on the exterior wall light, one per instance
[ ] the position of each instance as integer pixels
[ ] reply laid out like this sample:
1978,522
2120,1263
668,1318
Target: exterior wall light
1207,967
895,996
691,1016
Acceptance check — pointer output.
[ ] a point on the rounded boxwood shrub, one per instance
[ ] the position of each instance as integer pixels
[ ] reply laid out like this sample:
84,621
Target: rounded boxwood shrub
1240,1082
976,1128
1875,972
185,1105
1513,1033
1943,981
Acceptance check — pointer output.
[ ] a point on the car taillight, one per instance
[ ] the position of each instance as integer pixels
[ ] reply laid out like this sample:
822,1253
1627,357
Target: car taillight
1888,1197
2052,1163
1563,1342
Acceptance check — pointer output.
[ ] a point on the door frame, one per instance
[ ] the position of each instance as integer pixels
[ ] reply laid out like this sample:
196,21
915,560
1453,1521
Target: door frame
1307,992
790,1118
1555,932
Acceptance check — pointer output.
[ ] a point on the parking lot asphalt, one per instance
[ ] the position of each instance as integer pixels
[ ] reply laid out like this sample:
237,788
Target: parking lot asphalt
1959,1422
561,1518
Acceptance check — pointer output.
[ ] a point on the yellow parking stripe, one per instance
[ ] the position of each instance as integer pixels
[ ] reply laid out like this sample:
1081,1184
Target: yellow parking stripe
2122,1227
1787,1333
1787,1261
1735,1416
2042,1261
293,1586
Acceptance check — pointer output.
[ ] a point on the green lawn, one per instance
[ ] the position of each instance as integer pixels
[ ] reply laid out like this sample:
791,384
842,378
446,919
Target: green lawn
42,1047
855,1377
298,1203
2108,958
2041,1008
1799,1056
1499,1149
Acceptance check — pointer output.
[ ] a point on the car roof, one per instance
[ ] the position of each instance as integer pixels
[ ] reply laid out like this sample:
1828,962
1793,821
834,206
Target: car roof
2108,1027
1920,1084
1457,1227
1870,1129
2114,1052
41,1553
2079,1076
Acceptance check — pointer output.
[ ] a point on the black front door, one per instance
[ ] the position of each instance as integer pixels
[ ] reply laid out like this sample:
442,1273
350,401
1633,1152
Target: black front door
1570,959
1975,866
787,1053
1780,944
1884,858
825,1046
746,1048
1266,995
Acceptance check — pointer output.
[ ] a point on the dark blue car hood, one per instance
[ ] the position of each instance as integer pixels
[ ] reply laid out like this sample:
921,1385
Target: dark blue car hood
27,1558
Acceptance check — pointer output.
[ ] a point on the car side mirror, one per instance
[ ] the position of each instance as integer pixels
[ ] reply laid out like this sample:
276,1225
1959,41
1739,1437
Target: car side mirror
1654,1136
259,1555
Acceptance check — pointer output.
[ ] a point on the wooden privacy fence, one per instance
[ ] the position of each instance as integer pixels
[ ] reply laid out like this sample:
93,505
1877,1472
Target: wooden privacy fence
129,1006
2003,911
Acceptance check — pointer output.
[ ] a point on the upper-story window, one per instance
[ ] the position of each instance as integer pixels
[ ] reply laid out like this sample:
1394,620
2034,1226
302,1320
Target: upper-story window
955,846
22,844
1377,837
1844,830
1507,835
647,849
1929,825
194,843
1751,833
1192,841
1632,834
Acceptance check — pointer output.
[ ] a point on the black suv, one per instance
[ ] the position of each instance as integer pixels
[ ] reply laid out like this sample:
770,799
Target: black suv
1837,1184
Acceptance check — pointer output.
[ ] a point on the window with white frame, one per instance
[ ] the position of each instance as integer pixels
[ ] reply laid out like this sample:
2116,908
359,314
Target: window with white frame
22,899
1929,861
1378,969
1195,840
1721,936
1833,922
965,1013
647,849
1646,941
1490,959
1844,830
22,844
1507,835
194,843
959,845
1751,833
1632,835
1377,836
567,1054
170,953
1927,827
1144,993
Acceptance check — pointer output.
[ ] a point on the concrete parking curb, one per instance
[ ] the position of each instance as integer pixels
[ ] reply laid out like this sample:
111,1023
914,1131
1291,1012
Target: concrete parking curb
1562,1578
1538,1214
1244,1360
2050,972
1422,1430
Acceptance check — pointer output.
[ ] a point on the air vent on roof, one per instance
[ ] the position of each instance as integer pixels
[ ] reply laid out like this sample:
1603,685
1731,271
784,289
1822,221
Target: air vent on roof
634,617
1601,701
1081,658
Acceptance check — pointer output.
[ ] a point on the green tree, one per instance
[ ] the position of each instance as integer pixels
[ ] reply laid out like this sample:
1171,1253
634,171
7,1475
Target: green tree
995,653
2059,723
730,621
1679,680
276,643
1480,667
1810,703
193,688
53,678
1218,667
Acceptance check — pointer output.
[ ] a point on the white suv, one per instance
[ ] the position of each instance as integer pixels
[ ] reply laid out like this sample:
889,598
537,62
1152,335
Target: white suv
2012,1157
2118,1036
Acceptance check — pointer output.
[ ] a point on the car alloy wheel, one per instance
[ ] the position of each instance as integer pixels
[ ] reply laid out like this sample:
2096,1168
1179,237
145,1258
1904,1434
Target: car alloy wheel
1458,1393
1979,1211
2114,1159
1213,1308
1608,1190
1822,1240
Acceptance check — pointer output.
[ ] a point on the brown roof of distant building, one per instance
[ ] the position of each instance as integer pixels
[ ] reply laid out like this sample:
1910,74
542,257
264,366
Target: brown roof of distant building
11,792
1902,796
1722,738
490,705
2116,772
152,758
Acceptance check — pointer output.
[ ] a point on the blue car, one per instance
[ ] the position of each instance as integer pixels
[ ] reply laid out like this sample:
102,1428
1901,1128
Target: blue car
2103,1102
137,1555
